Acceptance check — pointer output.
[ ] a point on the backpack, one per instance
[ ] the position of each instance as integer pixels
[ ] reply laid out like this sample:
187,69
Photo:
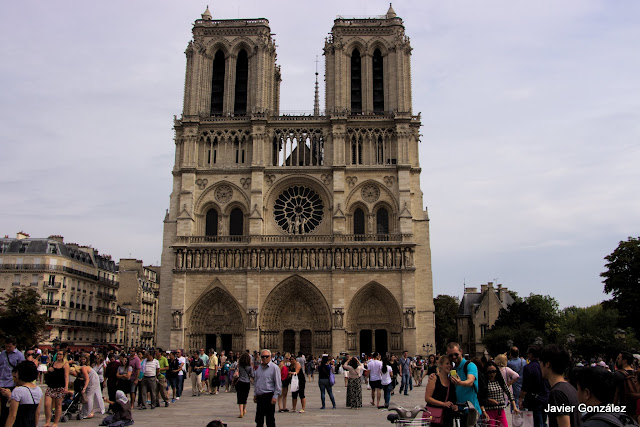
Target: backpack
483,389
631,385
615,419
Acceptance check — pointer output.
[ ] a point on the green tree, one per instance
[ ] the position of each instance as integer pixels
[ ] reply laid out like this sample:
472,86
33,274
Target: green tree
622,281
446,308
522,322
21,318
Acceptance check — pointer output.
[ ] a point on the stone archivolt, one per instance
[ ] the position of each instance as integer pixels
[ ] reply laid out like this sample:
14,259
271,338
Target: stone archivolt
295,304
216,312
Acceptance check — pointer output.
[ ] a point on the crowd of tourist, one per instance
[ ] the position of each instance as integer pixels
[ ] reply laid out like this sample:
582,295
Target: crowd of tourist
557,390
548,383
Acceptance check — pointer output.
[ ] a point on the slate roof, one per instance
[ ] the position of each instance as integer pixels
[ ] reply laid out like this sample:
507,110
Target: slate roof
472,300
34,246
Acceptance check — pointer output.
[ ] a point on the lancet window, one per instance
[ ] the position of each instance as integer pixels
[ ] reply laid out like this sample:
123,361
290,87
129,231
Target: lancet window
242,79
211,228
217,84
382,223
236,222
356,82
372,146
298,147
230,147
358,222
378,82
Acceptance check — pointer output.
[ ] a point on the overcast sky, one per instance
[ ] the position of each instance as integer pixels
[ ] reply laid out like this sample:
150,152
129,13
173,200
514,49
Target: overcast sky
530,113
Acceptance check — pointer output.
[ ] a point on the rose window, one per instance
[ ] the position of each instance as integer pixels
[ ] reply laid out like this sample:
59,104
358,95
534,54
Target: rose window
298,210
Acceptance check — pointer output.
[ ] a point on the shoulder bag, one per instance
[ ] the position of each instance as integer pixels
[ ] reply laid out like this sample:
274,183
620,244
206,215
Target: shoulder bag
437,411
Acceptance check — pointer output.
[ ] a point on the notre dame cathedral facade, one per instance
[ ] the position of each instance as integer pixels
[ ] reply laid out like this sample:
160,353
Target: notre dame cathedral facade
297,232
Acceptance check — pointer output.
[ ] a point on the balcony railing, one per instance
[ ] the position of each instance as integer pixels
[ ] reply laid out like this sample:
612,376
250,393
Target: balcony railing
50,303
59,268
52,285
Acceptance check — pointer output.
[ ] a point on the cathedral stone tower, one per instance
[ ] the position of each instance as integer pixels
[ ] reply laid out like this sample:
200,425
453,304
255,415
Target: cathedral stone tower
297,233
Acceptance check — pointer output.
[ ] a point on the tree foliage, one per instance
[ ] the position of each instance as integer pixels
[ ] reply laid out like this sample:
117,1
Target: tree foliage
622,281
20,316
446,308
522,322
593,331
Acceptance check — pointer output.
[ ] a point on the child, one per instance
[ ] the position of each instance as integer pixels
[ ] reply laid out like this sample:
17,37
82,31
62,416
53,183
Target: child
121,411
25,397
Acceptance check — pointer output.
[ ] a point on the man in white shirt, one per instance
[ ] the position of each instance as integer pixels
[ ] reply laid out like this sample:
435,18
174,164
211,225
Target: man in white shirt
375,378
151,370
181,374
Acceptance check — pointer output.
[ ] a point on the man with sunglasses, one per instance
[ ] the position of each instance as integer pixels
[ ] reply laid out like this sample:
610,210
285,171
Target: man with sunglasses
266,389
9,359
465,380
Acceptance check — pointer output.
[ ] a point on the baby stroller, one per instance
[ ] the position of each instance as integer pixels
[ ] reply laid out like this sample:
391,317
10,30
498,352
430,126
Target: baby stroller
71,406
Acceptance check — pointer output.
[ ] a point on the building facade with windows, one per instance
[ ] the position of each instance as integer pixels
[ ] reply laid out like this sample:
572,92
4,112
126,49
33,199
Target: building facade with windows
297,232
477,313
138,293
78,286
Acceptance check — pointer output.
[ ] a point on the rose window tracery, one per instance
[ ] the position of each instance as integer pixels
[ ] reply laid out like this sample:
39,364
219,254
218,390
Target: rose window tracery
224,193
370,193
298,210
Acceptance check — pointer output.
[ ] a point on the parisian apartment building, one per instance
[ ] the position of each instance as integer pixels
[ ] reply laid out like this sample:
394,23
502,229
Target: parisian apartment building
81,292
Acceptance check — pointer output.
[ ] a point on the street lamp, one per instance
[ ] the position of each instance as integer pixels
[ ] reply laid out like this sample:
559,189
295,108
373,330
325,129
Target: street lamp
428,348
538,341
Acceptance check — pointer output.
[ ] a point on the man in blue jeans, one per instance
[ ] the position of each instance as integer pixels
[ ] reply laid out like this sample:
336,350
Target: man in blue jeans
405,372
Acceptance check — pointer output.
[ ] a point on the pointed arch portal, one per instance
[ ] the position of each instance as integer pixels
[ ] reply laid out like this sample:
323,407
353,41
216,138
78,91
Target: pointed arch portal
374,321
296,317
216,321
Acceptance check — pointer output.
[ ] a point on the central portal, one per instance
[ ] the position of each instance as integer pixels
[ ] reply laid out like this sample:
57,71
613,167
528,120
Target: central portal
296,318
219,342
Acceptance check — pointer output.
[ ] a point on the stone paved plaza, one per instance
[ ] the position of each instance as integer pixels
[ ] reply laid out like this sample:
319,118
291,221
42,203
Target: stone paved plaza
198,411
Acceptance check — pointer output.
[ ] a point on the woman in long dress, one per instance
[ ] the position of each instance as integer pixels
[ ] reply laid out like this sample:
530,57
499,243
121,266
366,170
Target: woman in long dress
354,384
91,388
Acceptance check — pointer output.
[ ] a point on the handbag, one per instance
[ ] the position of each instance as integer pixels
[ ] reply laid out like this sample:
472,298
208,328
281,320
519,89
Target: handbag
332,377
437,412
236,378
295,384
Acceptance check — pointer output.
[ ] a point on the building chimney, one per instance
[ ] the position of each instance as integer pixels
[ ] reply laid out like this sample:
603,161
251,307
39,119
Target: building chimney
470,290
483,288
22,235
57,238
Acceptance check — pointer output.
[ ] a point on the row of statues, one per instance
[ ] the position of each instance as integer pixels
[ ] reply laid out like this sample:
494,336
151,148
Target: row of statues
307,259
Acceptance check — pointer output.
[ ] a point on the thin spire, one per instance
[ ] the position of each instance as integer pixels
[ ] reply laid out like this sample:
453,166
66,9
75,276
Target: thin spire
316,100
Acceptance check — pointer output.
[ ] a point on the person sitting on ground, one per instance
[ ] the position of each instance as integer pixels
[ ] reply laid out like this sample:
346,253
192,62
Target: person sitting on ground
121,408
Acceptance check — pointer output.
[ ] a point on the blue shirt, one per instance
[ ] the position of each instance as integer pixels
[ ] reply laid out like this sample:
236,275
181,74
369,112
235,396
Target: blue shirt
8,361
517,365
267,380
468,393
